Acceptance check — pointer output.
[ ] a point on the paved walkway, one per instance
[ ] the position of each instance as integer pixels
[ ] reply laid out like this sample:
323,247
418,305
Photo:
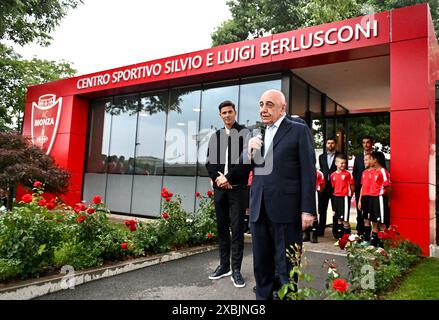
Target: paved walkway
187,278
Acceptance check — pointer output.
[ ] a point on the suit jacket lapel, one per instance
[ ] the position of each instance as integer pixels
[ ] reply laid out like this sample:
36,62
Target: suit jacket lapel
280,133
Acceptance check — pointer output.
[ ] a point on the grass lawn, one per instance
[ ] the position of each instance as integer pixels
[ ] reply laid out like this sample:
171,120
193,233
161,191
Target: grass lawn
422,283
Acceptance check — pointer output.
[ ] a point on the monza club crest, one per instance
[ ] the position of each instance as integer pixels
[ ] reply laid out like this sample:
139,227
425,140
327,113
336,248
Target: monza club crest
45,120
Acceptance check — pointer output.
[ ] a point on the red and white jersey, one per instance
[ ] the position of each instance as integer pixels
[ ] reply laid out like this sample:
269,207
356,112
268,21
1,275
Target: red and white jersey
366,181
320,181
341,182
381,179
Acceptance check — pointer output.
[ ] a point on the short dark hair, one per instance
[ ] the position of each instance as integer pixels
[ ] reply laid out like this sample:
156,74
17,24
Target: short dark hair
226,103
331,138
380,157
341,156
367,137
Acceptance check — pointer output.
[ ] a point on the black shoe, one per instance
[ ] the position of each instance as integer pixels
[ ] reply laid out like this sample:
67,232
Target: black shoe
306,235
220,271
314,236
238,280
374,240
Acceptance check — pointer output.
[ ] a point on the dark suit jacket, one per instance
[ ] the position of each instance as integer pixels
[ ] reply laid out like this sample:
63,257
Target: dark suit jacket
237,171
358,170
326,170
296,119
288,189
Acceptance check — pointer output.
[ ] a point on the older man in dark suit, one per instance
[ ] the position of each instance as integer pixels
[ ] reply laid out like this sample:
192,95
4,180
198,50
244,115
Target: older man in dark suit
282,200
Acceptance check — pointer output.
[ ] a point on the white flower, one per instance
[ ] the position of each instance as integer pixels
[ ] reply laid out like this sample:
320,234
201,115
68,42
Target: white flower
2,208
333,272
353,237
381,251
189,220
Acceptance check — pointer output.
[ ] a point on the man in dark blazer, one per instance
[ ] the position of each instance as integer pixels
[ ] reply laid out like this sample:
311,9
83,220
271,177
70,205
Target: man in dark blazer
230,180
357,172
282,200
327,166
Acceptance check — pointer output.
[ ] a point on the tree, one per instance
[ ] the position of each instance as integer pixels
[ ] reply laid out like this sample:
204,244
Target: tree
16,74
378,127
256,18
22,162
24,22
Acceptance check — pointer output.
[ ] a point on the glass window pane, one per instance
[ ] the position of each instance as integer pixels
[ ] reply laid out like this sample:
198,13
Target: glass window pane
99,137
341,135
150,143
95,178
183,186
315,101
210,119
299,97
249,100
317,131
146,195
181,134
330,128
122,144
151,133
330,107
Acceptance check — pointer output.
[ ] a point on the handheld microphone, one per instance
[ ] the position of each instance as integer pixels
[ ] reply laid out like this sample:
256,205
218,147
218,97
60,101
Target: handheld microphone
258,133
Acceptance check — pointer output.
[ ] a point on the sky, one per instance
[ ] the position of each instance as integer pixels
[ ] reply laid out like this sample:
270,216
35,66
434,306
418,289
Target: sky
105,34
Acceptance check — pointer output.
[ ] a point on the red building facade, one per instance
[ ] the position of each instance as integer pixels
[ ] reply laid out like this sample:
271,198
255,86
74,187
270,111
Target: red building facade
59,115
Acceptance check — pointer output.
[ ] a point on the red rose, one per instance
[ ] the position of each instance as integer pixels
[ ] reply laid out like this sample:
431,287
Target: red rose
131,224
168,199
81,218
42,202
383,235
97,199
50,206
165,193
26,198
343,241
80,207
90,210
123,246
340,285
209,193
37,184
197,194
165,215
209,235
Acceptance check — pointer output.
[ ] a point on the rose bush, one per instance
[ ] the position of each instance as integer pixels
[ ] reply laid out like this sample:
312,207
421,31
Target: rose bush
372,270
41,234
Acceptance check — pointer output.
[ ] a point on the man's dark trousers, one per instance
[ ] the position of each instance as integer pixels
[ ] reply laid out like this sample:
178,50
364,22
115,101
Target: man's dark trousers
265,232
230,212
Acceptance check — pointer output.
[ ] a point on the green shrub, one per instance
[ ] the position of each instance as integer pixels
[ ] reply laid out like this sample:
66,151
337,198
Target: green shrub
78,255
89,239
29,234
9,268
